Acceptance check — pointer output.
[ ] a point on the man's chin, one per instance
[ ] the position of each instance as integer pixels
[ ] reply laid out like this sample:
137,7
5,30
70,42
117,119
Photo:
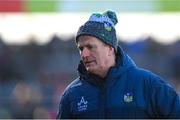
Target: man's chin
90,70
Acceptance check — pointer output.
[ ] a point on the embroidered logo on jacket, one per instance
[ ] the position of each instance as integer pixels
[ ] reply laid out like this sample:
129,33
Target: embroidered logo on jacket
82,105
128,97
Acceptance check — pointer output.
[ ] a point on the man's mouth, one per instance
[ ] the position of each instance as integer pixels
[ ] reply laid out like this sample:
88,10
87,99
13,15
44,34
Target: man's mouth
88,62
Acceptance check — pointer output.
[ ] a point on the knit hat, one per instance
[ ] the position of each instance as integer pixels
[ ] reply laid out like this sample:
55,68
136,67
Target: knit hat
101,26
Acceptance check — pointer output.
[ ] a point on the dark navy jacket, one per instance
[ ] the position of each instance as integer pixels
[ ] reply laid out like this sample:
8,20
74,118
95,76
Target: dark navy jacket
126,92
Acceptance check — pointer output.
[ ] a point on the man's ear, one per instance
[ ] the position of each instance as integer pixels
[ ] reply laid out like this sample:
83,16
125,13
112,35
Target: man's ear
111,50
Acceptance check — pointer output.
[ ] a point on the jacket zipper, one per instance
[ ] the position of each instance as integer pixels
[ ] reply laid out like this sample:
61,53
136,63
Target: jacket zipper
102,101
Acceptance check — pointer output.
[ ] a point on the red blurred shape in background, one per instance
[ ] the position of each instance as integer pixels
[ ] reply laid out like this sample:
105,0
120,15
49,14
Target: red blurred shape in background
11,5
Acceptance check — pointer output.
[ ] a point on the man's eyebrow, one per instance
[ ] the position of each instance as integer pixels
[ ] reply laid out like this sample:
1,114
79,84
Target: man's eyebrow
82,45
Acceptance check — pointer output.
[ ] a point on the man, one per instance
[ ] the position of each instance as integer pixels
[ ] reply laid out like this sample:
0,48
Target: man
110,85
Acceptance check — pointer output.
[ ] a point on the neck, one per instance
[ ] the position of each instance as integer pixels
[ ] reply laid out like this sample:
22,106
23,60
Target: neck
103,73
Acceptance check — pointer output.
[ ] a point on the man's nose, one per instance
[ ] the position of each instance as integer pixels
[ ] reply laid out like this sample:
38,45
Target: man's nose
85,53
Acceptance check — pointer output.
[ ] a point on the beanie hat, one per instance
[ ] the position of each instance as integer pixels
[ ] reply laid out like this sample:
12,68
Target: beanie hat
101,26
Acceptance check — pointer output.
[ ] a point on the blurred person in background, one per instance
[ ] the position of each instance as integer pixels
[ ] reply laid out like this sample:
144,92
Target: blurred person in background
110,85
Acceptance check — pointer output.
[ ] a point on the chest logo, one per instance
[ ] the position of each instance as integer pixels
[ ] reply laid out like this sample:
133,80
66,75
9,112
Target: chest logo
128,97
82,104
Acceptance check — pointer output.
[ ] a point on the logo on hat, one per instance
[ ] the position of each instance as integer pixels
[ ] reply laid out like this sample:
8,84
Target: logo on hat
128,97
107,26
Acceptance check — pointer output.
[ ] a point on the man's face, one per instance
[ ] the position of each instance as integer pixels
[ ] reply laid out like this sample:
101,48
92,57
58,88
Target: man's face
94,54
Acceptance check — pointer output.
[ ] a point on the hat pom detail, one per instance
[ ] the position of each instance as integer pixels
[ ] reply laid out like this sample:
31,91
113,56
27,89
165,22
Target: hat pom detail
112,15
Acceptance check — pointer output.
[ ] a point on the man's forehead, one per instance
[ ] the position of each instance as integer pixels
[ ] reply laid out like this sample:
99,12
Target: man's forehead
87,39
83,42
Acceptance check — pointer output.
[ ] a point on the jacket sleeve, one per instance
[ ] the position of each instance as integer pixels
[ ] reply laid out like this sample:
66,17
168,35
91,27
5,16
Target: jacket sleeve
64,108
165,100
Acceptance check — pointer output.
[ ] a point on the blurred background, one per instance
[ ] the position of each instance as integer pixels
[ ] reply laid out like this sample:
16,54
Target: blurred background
38,56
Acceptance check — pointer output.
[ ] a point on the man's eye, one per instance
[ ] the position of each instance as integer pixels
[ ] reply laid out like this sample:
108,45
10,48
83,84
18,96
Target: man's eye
90,47
80,48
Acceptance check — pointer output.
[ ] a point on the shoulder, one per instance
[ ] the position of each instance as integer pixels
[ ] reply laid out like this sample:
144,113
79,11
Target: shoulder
73,85
145,74
148,77
140,73
153,80
154,85
76,87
